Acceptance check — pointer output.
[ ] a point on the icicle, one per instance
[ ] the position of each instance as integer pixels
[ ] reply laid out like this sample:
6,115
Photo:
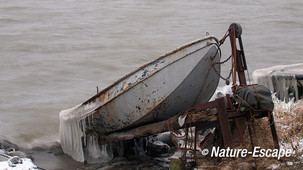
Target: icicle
139,148
71,131
120,148
83,130
94,153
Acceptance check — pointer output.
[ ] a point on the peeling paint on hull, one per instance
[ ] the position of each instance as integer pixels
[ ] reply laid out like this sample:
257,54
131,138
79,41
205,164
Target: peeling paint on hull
157,90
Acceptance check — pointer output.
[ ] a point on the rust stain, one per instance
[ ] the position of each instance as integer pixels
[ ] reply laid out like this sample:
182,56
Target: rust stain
208,43
183,51
139,111
101,98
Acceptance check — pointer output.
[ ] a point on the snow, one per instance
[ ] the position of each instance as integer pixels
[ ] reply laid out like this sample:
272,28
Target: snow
222,92
26,164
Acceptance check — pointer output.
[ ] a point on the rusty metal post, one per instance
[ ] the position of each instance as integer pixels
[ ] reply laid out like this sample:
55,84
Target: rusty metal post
195,142
236,120
224,123
239,61
273,130
185,145
250,131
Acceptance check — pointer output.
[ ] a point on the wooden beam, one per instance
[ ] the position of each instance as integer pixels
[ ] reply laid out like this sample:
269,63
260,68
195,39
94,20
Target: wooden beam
158,127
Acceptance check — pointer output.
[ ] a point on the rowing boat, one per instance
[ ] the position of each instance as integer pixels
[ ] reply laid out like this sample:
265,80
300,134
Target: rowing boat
154,92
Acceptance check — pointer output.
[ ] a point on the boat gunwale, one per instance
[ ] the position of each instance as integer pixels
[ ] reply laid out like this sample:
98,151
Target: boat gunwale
145,65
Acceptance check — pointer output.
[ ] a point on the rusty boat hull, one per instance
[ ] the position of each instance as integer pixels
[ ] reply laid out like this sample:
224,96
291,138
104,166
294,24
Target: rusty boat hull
154,92
158,90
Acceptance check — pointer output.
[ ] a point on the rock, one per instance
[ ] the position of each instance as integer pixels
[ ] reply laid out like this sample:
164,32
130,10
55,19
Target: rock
10,150
165,138
4,144
157,148
17,153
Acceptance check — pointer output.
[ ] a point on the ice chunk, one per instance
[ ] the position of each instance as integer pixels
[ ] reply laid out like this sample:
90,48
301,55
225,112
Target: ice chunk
96,153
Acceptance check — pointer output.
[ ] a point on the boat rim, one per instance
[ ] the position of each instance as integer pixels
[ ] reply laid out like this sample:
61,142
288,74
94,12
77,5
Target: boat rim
143,66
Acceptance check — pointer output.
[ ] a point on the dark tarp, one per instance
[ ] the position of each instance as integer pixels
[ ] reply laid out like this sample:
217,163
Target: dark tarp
255,97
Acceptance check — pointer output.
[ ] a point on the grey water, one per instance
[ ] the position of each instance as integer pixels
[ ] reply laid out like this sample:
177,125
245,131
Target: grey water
53,53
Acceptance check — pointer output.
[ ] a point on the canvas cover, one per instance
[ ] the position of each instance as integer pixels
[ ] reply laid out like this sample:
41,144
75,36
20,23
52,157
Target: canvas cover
254,97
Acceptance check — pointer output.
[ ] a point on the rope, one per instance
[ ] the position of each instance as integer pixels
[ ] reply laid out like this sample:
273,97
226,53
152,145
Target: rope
228,77
208,71
172,131
245,102
223,62
224,37
270,114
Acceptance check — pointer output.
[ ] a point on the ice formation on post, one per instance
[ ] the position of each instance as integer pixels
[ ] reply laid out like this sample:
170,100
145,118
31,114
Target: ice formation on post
285,80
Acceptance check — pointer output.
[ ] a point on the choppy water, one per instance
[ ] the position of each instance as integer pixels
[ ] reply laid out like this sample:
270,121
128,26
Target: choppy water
53,53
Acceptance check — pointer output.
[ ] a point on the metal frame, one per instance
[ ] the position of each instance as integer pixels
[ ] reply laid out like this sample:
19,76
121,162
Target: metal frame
228,113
